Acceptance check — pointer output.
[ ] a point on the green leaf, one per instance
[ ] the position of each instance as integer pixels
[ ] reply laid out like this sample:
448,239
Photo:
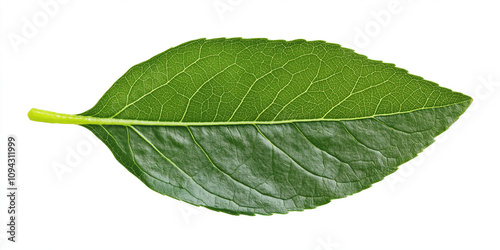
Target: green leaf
252,126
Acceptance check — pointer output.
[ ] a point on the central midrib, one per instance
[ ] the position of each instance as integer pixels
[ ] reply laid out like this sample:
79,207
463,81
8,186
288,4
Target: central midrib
52,117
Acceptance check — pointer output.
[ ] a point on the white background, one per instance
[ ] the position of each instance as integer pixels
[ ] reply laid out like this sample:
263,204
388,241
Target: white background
447,198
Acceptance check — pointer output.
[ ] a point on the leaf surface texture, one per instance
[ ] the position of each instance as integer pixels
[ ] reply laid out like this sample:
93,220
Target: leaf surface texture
253,126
